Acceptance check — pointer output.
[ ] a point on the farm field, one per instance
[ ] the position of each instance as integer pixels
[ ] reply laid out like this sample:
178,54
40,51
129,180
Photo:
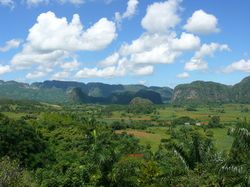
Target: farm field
229,113
153,135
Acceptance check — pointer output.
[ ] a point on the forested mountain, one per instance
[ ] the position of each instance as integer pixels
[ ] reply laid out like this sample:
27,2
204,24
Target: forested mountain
23,91
77,92
211,92
202,92
241,91
103,90
78,96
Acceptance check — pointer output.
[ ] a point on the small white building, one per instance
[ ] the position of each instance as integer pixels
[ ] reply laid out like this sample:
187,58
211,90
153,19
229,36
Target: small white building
198,124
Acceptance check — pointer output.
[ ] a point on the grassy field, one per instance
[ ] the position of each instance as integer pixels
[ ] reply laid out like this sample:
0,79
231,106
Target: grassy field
153,136
228,113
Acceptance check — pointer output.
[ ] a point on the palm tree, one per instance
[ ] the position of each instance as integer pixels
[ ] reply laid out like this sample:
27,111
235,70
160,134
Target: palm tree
236,169
193,150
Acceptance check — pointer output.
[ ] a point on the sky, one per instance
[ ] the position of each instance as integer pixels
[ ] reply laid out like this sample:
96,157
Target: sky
151,42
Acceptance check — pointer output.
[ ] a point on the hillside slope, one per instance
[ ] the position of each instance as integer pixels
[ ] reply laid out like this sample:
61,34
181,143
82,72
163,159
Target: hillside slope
241,91
201,92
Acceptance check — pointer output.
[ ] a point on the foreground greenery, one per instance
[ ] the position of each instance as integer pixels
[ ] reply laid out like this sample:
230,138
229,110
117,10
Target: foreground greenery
91,145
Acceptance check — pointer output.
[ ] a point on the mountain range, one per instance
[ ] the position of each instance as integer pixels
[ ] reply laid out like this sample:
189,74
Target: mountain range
77,92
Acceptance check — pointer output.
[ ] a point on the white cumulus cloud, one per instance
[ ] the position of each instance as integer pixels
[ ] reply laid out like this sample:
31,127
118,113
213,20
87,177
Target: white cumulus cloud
53,41
146,70
159,44
36,74
186,42
161,16
202,23
27,59
151,49
95,72
183,75
130,11
61,75
159,54
14,43
197,62
131,8
70,66
4,69
241,65
53,33
120,69
110,60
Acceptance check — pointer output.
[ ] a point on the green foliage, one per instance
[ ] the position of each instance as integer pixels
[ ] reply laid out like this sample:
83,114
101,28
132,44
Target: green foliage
126,172
170,165
141,106
214,122
11,174
117,125
244,109
152,96
79,145
18,140
191,108
120,125
195,147
183,120
236,169
188,158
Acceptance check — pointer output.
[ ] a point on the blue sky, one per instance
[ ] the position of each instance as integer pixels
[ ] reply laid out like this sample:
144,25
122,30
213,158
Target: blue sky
150,42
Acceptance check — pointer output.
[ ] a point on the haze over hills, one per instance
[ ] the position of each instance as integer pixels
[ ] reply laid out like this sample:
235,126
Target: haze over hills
78,92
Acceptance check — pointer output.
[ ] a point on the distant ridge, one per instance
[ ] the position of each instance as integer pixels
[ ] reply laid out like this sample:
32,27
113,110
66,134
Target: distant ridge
70,92
77,92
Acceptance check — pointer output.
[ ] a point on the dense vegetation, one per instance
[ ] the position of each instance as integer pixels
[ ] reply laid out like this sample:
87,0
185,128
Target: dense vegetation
210,92
97,145
63,92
